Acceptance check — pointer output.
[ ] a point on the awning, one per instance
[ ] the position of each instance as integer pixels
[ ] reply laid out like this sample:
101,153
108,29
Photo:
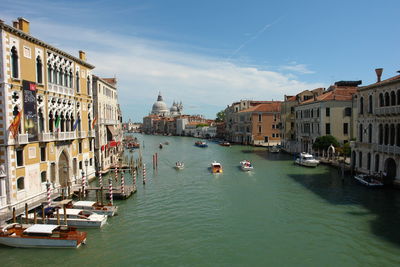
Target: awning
112,130
112,144
40,229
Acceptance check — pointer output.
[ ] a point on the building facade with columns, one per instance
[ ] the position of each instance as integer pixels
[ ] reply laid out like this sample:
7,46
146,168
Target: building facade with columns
50,90
377,146
109,122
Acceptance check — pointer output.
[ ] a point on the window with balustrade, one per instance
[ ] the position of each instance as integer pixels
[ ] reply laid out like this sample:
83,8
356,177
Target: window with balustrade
14,63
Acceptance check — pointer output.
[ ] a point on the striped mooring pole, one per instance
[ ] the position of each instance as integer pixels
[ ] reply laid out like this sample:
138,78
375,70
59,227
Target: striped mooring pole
134,177
48,192
100,178
144,173
122,183
116,173
110,191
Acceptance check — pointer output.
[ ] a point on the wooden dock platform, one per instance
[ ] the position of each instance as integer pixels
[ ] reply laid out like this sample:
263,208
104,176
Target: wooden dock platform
117,192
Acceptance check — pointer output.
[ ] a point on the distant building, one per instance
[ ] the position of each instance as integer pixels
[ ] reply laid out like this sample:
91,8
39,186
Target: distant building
377,147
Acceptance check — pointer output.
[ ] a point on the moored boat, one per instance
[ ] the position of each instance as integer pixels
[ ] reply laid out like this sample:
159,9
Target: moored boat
95,207
41,236
274,149
368,180
307,160
246,165
201,144
216,167
160,146
75,217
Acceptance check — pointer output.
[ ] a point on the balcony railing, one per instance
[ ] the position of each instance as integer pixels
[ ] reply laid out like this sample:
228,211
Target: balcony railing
108,121
60,89
45,137
23,139
388,149
91,134
387,111
81,134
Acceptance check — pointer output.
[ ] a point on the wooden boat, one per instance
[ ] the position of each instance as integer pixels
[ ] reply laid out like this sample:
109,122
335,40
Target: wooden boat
41,236
216,167
200,144
179,165
245,165
307,160
225,144
274,149
95,207
166,143
75,217
160,146
368,180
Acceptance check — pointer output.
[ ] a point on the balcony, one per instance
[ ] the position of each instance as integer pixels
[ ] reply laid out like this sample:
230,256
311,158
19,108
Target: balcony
23,139
91,134
61,136
385,111
60,89
46,137
387,149
108,122
81,134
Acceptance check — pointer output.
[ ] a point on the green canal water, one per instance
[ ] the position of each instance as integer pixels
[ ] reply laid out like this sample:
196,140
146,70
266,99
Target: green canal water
278,215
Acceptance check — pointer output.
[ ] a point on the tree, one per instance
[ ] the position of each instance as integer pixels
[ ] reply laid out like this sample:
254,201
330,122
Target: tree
220,116
323,142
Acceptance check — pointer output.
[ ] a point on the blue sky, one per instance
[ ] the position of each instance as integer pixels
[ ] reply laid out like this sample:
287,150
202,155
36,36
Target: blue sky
211,53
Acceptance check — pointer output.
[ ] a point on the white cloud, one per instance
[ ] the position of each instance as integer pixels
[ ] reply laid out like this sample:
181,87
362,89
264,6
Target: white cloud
300,68
143,67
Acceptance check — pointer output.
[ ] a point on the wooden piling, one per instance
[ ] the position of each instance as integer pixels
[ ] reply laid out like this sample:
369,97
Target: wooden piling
14,217
34,217
43,215
97,196
65,214
80,194
101,195
58,217
62,194
26,213
156,160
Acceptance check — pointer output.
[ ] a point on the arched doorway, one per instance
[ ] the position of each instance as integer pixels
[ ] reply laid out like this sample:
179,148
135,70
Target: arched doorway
63,170
353,160
390,170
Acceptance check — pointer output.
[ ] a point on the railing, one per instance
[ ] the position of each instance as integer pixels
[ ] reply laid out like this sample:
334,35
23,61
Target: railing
81,134
60,89
108,121
91,134
44,137
387,149
387,111
23,139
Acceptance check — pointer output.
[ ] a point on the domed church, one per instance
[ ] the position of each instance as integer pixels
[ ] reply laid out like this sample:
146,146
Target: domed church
161,109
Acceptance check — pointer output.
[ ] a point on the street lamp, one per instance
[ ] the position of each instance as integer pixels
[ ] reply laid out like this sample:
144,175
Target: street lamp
86,164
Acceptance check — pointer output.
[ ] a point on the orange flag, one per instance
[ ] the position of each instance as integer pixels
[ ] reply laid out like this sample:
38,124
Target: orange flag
15,125
94,122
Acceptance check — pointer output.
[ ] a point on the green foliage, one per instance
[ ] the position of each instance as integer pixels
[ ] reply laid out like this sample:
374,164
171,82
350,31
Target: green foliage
201,125
323,142
220,116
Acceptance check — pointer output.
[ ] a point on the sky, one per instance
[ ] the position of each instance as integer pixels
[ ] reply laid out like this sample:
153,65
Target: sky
209,54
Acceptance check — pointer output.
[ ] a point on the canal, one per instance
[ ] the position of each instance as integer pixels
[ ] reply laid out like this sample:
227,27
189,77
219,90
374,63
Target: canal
278,214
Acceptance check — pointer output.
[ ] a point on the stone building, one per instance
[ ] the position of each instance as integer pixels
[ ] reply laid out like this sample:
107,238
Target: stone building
109,122
50,90
330,113
288,117
254,122
377,146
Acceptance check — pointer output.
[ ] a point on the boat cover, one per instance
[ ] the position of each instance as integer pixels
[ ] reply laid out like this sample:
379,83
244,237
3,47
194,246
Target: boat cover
41,229
71,211
84,203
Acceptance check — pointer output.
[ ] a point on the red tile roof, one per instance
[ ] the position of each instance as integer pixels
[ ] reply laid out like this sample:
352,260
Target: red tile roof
339,93
112,81
271,106
387,81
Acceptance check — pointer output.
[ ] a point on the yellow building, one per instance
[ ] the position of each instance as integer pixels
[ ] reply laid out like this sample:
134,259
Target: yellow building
52,89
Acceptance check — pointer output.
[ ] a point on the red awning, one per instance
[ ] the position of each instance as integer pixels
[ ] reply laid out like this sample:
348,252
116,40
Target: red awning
103,147
112,144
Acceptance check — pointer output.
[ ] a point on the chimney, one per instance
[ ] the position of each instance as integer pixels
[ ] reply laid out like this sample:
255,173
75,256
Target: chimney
16,24
82,55
23,25
378,74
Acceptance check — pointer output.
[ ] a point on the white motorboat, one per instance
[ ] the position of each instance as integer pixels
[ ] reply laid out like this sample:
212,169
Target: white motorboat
216,167
274,149
179,165
41,236
307,160
95,207
75,217
246,165
368,180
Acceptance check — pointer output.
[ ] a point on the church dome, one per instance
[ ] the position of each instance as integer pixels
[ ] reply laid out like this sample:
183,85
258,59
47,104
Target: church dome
159,107
174,109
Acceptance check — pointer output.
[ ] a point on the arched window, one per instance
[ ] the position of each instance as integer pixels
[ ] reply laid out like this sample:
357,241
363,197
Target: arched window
39,70
70,79
398,134
62,122
370,104
51,120
377,163
392,98
386,134
66,78
89,122
67,123
380,134
41,121
361,105
398,97
61,77
360,133
369,161
360,159
72,122
387,99
77,81
20,183
49,73
370,133
55,74
392,134
88,86
381,100
43,176
14,62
